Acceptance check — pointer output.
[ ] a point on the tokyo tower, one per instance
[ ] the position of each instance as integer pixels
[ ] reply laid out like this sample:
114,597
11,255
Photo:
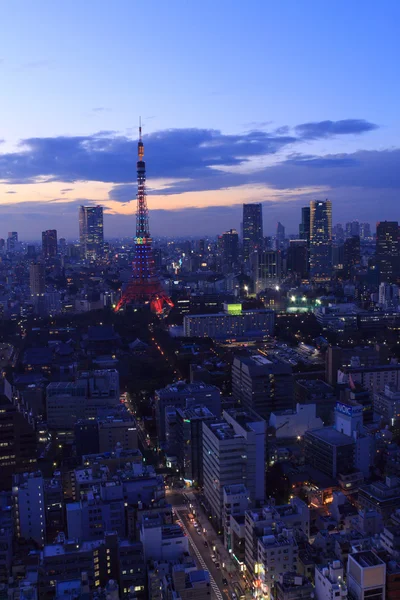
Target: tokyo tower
144,287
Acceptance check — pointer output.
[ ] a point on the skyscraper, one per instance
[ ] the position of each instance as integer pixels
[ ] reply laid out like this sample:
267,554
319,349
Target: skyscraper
320,239
387,250
230,248
280,236
351,255
252,228
37,279
49,243
365,231
297,258
304,227
91,236
266,266
352,228
12,241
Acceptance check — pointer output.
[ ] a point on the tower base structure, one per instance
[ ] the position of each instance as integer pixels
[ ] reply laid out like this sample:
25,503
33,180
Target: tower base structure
140,293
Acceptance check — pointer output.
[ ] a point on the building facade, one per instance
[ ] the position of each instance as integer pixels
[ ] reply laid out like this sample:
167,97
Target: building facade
91,235
321,239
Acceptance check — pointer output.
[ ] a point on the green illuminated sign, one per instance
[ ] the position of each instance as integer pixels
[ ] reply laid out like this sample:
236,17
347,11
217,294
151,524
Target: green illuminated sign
234,309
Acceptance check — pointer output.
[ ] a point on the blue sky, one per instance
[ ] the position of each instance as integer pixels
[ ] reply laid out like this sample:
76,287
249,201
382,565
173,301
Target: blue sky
227,92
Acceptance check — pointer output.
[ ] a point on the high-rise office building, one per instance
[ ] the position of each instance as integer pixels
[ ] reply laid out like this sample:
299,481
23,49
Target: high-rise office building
387,251
252,228
266,269
233,453
49,243
297,258
37,285
304,227
12,241
365,231
351,255
37,279
91,236
18,441
230,248
338,233
321,239
261,384
280,236
352,228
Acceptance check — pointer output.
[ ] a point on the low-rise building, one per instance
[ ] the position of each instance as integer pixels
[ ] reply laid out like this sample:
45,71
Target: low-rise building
160,541
277,554
294,423
366,576
329,451
235,503
232,324
330,581
293,586
381,496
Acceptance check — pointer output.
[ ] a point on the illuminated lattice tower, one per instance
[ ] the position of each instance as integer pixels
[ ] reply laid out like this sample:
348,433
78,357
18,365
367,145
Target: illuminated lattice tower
144,287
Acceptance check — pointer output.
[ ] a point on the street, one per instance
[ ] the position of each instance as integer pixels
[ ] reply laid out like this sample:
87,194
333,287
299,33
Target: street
203,553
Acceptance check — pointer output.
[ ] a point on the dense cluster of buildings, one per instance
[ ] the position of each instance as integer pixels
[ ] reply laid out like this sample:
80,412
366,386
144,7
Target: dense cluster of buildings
279,411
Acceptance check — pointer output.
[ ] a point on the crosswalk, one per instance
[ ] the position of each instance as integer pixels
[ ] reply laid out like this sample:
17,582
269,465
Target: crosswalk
214,586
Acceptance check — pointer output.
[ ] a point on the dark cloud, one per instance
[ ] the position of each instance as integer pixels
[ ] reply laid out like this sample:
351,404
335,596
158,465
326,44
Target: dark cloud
195,156
363,169
176,153
327,129
65,190
11,192
123,193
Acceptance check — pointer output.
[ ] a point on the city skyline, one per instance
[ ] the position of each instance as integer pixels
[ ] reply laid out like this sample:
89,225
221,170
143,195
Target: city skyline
308,123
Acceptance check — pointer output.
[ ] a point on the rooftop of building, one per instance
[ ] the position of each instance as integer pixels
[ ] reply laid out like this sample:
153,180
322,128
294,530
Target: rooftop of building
259,365
133,453
69,546
366,559
223,430
181,387
196,577
234,490
331,436
22,479
371,368
245,418
315,385
276,540
195,412
290,580
236,313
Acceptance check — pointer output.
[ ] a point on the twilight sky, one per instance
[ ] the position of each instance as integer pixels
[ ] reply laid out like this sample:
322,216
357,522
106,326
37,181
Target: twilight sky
274,102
